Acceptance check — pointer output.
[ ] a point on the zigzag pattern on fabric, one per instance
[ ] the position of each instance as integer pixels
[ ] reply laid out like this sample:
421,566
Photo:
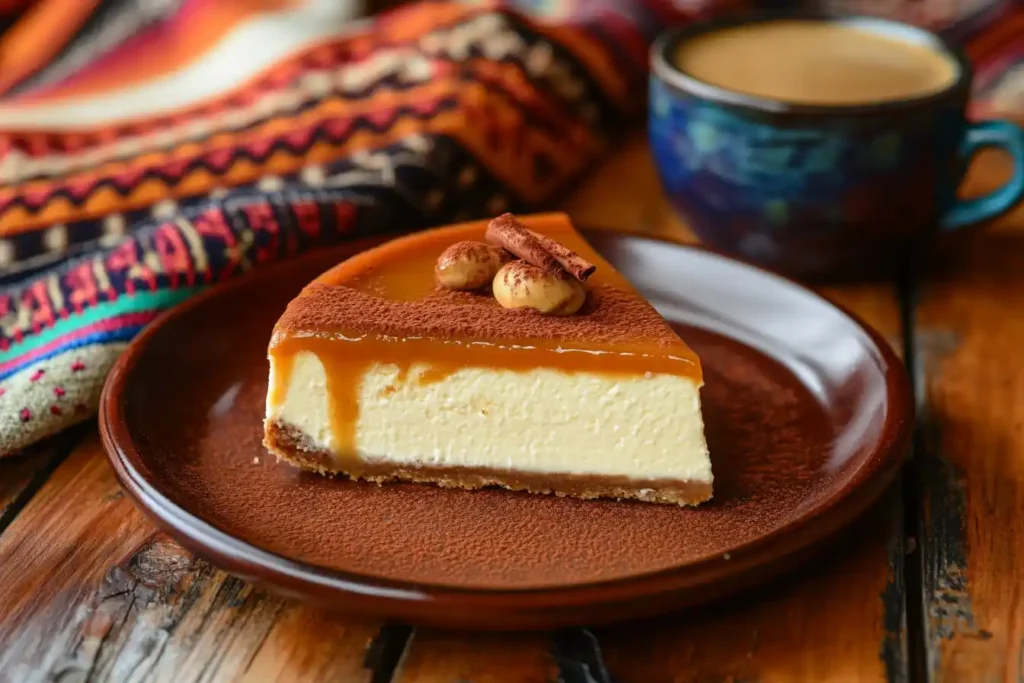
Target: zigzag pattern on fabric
355,55
326,128
546,100
405,161
75,199
394,74
295,143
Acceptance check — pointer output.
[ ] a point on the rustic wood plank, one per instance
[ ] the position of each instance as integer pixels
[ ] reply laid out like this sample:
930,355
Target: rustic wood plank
90,591
21,475
839,619
443,656
967,339
568,656
16,476
579,657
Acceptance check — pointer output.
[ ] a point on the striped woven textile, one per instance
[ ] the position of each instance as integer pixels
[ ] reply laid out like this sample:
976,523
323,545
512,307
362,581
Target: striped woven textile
150,149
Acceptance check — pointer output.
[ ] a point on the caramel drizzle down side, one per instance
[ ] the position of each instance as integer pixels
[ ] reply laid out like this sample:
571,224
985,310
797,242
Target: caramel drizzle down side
539,250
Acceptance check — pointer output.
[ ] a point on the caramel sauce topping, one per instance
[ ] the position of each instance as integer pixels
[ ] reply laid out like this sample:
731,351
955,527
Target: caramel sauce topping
382,307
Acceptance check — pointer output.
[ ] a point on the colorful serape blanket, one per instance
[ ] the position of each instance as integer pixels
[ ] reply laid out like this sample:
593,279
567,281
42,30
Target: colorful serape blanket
149,150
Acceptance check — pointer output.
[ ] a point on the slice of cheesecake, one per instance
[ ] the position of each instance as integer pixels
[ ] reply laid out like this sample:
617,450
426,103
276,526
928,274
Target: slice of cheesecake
557,378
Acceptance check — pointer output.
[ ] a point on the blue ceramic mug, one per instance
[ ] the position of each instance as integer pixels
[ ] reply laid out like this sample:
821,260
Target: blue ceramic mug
820,189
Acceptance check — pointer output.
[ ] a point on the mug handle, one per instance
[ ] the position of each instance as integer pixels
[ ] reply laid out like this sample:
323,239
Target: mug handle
1008,136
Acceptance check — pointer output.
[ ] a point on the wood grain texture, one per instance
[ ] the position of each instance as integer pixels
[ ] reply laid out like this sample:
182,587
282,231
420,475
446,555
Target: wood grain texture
967,339
825,622
443,656
569,656
21,475
17,474
90,591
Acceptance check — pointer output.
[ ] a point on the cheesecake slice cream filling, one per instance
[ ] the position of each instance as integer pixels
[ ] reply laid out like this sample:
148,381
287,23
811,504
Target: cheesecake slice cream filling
379,372
537,421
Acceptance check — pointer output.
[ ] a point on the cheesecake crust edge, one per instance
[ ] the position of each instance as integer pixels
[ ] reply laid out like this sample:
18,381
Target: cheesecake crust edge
290,444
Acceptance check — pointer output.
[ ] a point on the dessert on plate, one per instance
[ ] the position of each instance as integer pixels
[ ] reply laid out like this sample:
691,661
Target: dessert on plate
503,352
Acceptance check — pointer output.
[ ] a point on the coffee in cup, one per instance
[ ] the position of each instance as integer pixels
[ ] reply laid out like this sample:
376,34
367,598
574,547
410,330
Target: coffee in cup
816,62
819,145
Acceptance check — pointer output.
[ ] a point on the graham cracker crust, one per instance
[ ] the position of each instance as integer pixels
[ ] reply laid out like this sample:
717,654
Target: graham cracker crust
290,444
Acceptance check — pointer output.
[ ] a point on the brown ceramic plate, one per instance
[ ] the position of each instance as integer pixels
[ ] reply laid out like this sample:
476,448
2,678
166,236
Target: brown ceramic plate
808,418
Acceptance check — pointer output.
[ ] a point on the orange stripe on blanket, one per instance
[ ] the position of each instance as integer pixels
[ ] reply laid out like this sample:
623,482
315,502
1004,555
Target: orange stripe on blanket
334,107
507,76
242,171
332,53
157,53
491,128
38,36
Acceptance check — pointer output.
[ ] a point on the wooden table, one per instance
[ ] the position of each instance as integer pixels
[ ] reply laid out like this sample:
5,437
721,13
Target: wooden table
927,587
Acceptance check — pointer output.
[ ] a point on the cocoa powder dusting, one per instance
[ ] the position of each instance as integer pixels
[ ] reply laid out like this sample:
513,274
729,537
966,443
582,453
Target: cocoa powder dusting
608,316
472,251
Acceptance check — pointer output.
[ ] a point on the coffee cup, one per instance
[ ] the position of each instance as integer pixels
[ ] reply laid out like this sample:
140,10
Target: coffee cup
817,144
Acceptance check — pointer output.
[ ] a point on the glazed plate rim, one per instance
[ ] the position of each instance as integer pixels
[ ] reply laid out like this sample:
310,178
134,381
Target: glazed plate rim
244,559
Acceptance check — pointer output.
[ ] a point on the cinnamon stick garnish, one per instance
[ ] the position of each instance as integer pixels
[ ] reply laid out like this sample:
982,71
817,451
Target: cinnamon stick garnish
539,250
